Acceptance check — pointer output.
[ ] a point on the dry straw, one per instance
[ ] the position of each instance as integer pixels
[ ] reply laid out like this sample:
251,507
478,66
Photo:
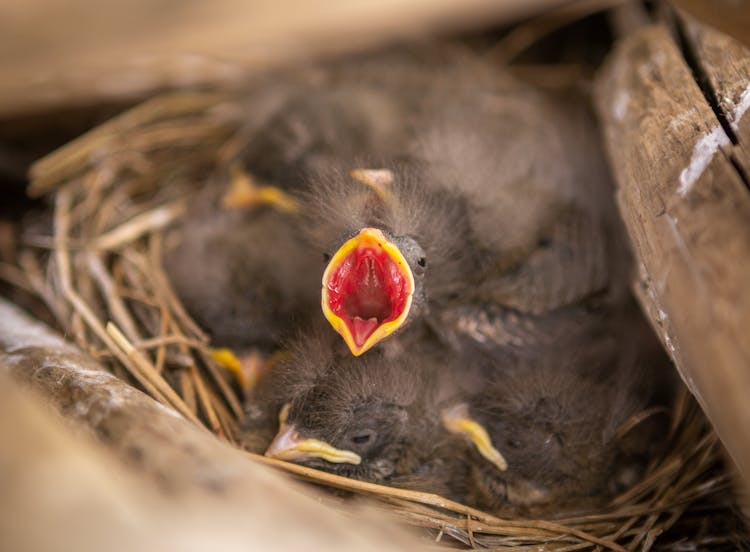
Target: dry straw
117,188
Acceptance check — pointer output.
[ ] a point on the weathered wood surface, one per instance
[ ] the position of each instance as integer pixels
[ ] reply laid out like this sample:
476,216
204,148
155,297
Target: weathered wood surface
60,52
725,67
687,210
185,490
729,16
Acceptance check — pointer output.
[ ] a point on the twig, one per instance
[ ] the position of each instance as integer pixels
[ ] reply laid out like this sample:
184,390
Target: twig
638,419
161,283
169,339
134,295
188,390
429,499
117,308
64,163
164,324
228,423
149,373
226,390
34,275
140,225
61,217
204,400
175,134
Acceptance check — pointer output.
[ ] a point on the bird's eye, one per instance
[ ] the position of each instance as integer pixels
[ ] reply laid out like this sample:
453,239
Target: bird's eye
422,262
363,437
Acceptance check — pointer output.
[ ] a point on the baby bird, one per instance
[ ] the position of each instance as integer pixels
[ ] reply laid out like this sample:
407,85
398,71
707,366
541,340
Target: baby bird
562,424
240,273
374,418
499,197
406,244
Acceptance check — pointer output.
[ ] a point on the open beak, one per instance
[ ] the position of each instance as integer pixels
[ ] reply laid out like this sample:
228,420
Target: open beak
367,290
456,420
289,445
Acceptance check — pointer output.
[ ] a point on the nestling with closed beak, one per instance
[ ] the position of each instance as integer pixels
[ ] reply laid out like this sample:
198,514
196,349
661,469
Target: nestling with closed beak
239,272
562,421
374,418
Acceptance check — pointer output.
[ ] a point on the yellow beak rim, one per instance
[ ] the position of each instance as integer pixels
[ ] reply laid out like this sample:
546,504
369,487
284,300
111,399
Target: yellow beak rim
288,445
456,420
374,238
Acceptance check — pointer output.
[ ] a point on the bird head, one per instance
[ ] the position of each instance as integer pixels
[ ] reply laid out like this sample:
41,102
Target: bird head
554,419
366,446
390,240
531,457
361,418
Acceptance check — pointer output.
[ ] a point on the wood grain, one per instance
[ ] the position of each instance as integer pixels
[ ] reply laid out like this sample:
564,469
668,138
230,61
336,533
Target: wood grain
728,16
158,483
687,211
724,65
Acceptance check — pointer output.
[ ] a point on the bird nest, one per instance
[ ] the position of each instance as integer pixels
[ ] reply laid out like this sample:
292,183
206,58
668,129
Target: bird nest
117,189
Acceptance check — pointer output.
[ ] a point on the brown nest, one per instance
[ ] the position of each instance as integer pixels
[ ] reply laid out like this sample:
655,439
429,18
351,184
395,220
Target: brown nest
117,188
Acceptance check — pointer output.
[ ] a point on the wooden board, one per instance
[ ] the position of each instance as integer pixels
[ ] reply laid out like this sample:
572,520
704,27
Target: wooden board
60,52
687,211
724,65
151,480
729,16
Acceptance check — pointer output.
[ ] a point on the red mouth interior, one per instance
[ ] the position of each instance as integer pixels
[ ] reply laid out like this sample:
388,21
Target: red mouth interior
366,290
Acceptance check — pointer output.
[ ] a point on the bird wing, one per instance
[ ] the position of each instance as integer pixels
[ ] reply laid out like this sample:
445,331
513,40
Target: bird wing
503,332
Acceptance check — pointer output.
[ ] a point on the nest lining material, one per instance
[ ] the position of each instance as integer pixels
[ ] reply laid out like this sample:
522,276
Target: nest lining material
115,191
